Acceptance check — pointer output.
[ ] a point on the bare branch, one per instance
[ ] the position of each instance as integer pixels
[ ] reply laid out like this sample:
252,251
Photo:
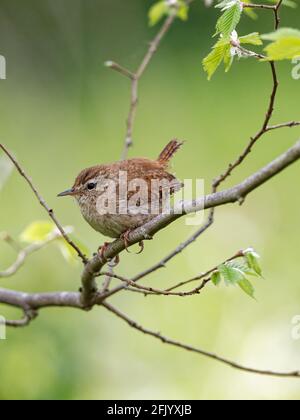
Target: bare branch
169,292
29,315
44,204
37,301
136,76
183,346
232,166
290,124
207,274
276,13
258,6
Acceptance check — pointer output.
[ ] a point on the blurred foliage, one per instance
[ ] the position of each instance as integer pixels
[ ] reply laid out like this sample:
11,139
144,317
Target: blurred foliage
61,111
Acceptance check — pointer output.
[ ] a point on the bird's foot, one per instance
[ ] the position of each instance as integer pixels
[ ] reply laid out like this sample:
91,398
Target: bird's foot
125,237
102,250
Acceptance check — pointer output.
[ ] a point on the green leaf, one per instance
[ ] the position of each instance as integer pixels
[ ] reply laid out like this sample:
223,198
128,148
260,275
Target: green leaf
231,273
38,231
253,39
252,259
228,59
247,287
161,9
285,45
215,57
290,3
216,278
69,252
157,12
183,11
228,22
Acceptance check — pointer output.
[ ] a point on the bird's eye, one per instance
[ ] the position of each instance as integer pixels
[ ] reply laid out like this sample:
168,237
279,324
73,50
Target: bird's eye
91,186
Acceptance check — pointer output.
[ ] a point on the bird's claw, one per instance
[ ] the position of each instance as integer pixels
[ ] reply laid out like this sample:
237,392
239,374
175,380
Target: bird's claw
125,237
102,249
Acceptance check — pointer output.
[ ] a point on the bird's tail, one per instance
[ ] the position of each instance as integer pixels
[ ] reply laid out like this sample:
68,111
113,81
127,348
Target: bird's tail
169,151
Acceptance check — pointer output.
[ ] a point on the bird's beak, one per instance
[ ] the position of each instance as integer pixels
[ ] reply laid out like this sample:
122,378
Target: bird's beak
66,193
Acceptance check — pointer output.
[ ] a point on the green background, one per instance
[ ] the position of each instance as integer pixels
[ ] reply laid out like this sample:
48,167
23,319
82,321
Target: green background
62,110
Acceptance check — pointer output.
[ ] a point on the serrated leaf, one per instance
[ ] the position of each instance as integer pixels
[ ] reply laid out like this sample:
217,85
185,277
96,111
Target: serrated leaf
228,59
228,22
231,274
38,231
225,4
253,262
215,57
157,12
253,39
216,278
247,287
285,45
282,33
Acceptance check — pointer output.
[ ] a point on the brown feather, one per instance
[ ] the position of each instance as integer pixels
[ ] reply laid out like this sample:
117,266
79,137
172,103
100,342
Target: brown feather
169,151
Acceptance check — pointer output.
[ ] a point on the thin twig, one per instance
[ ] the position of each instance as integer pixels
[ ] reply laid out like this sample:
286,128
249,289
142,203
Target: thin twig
276,13
136,76
29,315
206,277
232,166
44,204
187,347
264,129
109,276
258,6
239,254
290,124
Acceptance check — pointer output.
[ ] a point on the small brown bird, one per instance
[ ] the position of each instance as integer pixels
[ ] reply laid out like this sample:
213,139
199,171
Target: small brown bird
119,197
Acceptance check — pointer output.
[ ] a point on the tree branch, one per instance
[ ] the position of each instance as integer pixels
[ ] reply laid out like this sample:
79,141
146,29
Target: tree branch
258,6
187,347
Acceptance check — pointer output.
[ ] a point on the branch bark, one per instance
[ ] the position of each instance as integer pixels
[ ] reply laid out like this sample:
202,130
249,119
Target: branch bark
166,340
